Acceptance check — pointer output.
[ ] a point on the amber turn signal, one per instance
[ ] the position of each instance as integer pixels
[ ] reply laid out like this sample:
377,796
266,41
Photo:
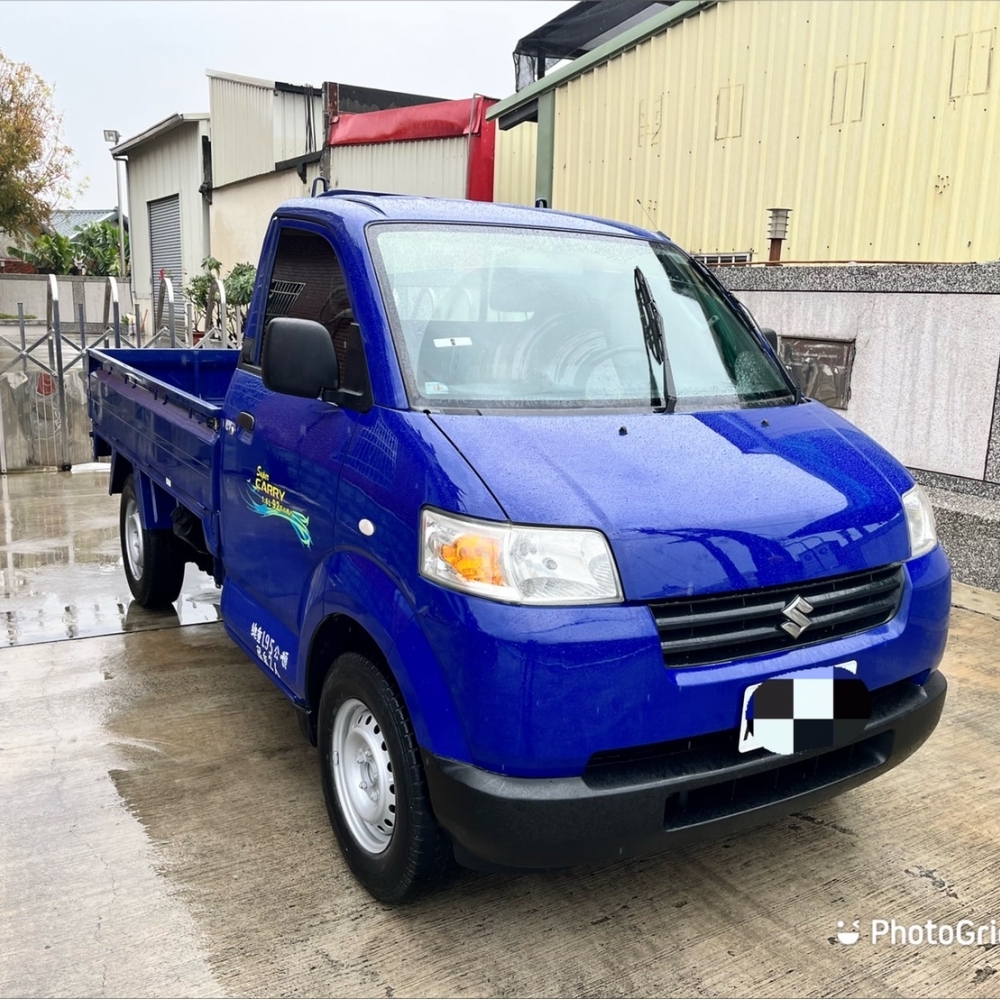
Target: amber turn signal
474,558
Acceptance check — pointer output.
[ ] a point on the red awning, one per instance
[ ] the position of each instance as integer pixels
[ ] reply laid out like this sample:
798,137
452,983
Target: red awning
441,120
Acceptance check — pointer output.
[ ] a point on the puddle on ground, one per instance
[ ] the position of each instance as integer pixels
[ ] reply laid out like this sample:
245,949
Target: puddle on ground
61,574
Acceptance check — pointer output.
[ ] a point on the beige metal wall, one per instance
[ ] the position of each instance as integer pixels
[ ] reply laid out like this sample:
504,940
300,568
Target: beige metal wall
255,126
434,167
166,166
876,123
242,128
514,165
291,113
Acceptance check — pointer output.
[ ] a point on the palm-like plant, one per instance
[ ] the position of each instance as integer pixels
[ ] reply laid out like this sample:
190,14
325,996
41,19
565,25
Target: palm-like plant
49,254
93,251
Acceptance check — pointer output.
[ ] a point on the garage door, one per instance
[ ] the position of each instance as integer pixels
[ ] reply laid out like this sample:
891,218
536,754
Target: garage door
165,249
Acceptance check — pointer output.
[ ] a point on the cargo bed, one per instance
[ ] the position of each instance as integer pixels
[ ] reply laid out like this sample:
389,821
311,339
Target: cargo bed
162,410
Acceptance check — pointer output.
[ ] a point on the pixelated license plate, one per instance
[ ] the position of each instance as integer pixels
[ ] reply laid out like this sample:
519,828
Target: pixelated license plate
751,739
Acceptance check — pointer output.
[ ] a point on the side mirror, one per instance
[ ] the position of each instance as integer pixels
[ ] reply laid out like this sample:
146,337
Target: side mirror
298,358
771,337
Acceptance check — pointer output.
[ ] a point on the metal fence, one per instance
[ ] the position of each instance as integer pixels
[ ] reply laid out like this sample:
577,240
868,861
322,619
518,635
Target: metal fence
43,372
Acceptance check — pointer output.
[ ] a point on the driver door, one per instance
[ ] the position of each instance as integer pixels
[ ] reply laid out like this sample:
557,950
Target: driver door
282,457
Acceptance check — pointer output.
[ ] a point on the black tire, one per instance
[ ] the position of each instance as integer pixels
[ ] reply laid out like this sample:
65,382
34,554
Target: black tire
418,853
154,560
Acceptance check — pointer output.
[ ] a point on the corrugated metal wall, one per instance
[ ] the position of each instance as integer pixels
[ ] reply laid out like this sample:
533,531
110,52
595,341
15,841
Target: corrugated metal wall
242,128
514,165
255,126
876,123
434,167
295,115
170,165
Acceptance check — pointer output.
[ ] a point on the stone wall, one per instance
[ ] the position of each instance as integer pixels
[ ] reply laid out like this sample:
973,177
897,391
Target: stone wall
926,376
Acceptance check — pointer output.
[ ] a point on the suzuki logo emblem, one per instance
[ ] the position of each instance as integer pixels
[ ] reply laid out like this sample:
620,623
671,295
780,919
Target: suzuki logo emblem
796,614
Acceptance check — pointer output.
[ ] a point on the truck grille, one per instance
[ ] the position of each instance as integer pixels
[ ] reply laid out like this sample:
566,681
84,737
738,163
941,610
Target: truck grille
720,627
797,776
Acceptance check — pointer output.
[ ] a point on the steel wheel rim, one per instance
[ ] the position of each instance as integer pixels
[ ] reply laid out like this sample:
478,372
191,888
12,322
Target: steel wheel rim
133,539
363,776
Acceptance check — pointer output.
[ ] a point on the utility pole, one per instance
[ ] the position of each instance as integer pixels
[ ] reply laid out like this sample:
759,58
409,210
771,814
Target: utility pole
112,135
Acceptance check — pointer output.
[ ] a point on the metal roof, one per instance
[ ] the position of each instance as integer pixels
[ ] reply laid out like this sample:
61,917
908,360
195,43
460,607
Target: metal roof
346,97
66,222
575,32
626,40
155,131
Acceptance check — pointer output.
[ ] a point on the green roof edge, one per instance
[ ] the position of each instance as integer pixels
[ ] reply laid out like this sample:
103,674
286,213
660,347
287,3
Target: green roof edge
626,40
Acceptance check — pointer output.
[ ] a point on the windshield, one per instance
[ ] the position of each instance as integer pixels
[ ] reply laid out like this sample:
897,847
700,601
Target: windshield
503,318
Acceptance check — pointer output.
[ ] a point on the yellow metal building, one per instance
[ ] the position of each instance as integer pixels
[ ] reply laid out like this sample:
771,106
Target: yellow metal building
874,121
514,164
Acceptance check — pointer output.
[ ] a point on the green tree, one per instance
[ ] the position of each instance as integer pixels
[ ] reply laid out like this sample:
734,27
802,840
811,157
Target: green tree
35,164
97,249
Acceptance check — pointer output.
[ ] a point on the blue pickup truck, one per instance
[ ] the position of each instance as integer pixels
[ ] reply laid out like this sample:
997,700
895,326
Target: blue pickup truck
519,510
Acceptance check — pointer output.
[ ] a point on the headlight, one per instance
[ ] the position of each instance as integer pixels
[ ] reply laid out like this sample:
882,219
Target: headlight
517,563
919,521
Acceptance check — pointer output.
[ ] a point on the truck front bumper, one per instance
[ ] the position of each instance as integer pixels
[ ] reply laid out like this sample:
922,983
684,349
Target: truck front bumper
674,795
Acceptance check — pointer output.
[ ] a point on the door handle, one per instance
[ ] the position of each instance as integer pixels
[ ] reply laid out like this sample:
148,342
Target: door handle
245,421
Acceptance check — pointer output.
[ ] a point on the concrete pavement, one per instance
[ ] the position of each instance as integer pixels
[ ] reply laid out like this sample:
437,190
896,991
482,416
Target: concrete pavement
60,563
162,832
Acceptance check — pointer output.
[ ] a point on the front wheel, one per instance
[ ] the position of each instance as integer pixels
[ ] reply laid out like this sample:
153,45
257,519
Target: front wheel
374,784
154,563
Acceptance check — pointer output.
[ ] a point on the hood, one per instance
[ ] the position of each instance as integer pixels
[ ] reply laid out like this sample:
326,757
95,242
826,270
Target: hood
699,503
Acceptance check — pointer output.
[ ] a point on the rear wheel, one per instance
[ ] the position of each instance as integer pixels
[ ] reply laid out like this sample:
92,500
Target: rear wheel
374,784
154,561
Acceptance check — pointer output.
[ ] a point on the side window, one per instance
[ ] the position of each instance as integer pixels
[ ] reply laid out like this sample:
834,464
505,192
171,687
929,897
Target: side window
307,283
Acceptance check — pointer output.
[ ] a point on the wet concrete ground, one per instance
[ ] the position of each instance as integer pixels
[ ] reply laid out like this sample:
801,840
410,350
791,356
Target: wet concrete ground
60,563
162,832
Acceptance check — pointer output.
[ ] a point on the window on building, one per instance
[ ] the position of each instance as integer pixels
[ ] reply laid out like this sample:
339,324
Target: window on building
848,102
821,368
724,259
729,112
971,63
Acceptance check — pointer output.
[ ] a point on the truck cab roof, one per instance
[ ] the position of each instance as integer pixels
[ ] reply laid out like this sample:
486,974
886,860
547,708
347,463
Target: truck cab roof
360,207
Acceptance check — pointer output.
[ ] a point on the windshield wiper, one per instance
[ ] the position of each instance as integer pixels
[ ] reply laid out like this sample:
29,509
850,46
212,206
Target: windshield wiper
655,342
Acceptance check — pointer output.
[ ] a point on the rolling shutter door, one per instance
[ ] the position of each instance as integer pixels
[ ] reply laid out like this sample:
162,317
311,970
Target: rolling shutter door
165,249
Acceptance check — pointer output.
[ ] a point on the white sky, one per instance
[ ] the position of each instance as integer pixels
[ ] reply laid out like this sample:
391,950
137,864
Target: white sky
127,65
